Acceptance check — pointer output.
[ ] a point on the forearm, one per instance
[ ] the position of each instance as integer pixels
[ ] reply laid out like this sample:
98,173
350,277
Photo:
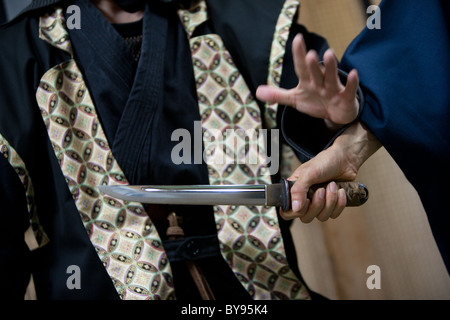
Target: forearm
358,143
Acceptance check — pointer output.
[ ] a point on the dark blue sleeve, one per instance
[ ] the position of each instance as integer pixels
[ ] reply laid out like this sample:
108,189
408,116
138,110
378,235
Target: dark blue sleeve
404,70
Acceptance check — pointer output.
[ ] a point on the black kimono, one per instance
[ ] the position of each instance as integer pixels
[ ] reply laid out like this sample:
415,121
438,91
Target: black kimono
98,105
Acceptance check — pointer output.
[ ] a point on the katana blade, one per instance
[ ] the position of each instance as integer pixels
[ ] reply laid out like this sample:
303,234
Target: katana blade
192,194
277,194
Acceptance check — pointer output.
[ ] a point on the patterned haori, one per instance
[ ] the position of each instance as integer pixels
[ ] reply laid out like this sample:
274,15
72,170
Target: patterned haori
250,236
122,233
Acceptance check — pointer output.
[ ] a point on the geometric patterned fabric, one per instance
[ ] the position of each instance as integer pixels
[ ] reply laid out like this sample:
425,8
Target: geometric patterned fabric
250,237
122,233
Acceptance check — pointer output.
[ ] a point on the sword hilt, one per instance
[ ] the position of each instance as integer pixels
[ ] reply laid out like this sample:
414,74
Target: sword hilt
357,193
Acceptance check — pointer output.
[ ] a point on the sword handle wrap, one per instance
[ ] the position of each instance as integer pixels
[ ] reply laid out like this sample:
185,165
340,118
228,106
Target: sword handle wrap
357,193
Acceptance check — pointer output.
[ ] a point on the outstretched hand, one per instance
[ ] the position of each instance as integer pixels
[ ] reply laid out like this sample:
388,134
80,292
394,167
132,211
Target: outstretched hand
319,92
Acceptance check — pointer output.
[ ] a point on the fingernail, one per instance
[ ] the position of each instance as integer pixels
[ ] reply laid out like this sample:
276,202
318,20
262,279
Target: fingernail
342,193
321,193
262,93
295,205
333,187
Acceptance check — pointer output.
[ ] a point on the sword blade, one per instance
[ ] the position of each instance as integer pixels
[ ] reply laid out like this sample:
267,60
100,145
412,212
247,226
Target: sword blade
276,194
190,195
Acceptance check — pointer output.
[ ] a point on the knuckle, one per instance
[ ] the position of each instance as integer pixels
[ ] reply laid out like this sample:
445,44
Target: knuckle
306,218
290,215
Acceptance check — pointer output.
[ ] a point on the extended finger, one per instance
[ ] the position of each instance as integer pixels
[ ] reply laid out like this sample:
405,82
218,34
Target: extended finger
315,72
299,55
331,79
351,88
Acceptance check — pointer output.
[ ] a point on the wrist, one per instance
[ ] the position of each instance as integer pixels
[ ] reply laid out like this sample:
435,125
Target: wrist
355,106
361,144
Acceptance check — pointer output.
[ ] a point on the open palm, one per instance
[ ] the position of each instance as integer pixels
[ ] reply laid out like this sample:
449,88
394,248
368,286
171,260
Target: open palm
319,92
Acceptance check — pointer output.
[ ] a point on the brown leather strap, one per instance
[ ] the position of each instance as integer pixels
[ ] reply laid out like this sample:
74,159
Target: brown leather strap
200,281
174,231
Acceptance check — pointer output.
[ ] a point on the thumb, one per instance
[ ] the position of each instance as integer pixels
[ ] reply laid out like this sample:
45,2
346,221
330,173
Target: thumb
275,95
299,191
322,168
